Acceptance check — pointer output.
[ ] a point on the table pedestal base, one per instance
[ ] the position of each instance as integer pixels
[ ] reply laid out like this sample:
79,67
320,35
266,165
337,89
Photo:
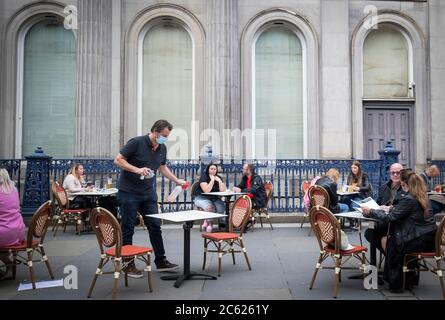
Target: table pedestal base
188,276
380,280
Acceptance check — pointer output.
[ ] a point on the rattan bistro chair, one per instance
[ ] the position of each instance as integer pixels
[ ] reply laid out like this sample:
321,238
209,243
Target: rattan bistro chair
224,242
327,230
263,212
193,190
423,258
109,237
65,213
318,196
33,243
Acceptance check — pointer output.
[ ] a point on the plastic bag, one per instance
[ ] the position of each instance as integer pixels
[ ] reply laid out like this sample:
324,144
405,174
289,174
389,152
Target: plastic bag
176,192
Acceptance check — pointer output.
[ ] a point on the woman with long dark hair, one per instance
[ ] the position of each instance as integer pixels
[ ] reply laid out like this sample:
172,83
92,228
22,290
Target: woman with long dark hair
413,229
358,181
210,182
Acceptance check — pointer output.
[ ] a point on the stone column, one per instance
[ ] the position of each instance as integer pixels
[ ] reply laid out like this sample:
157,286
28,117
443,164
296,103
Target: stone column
116,78
336,110
6,138
222,109
94,56
437,66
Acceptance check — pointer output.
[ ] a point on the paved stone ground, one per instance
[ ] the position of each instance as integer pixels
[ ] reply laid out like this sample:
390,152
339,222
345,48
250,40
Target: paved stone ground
282,260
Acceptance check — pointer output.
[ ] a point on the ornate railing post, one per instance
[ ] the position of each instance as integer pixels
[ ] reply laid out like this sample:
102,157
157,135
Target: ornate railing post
205,160
36,181
388,155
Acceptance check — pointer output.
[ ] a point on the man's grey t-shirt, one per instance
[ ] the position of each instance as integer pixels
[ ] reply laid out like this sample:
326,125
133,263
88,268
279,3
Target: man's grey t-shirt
139,152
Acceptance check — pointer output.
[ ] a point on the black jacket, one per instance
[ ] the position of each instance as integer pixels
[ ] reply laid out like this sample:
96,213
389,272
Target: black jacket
256,188
365,187
407,218
331,188
384,198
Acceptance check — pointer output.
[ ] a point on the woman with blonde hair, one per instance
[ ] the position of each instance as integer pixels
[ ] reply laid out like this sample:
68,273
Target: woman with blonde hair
73,184
12,228
413,229
329,182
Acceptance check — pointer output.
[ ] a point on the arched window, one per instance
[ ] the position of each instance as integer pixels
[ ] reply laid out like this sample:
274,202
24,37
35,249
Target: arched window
49,84
386,63
278,93
167,83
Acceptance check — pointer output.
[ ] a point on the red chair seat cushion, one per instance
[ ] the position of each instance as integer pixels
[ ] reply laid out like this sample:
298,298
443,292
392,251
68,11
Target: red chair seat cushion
356,249
425,254
216,236
129,250
20,247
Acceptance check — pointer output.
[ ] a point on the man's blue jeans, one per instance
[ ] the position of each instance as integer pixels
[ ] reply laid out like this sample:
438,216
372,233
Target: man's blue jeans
146,204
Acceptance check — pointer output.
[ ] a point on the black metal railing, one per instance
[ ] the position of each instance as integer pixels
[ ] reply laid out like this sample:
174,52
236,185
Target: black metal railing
287,175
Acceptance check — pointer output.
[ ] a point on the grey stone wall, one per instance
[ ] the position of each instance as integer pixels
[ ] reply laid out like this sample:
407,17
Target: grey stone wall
220,100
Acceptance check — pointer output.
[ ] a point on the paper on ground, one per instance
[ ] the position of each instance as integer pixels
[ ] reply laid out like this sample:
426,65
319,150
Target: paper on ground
41,285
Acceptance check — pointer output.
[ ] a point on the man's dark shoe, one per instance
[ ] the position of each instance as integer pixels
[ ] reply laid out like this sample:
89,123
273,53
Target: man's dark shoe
165,265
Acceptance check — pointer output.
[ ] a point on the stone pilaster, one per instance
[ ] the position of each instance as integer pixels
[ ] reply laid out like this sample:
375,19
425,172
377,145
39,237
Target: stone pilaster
222,109
94,57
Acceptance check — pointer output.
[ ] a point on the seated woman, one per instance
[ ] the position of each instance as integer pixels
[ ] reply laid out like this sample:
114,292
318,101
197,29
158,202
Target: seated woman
359,182
12,228
329,182
210,182
73,184
413,229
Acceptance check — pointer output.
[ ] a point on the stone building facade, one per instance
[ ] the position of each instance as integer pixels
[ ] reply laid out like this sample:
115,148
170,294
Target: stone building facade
330,78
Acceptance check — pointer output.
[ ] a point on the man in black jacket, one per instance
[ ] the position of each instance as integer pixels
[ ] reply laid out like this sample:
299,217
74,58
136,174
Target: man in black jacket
253,185
413,230
391,190
389,194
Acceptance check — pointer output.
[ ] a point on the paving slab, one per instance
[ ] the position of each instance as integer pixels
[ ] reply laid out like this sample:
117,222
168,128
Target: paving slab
282,260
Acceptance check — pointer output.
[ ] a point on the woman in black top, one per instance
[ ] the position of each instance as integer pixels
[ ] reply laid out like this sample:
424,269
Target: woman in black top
210,182
413,229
